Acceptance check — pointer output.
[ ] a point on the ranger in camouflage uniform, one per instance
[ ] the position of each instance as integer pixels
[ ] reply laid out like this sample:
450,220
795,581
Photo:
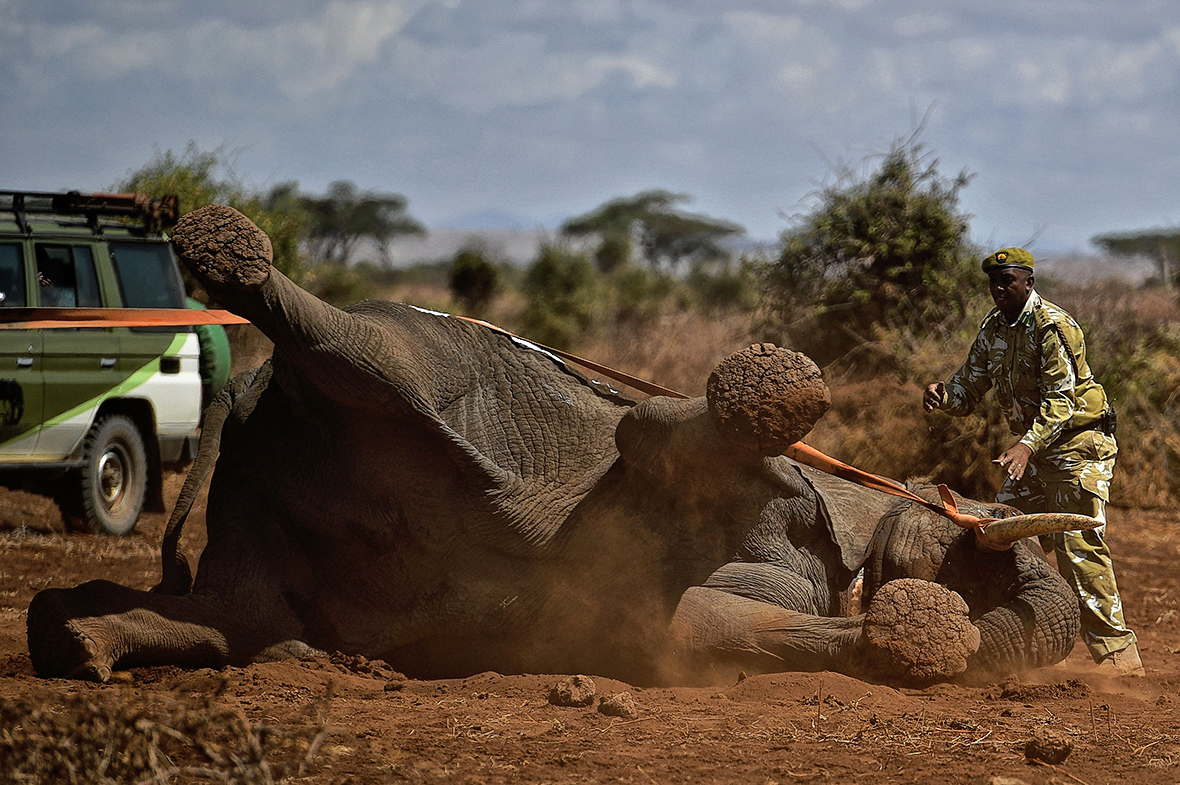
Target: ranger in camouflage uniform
1034,354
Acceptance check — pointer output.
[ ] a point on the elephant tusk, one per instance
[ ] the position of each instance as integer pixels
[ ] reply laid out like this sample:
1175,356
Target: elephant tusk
1000,535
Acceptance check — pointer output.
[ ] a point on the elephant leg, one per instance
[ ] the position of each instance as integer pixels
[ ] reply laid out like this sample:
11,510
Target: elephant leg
915,632
713,627
91,630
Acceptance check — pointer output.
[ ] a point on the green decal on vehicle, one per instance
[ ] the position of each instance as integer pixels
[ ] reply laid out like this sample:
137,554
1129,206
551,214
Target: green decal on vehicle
132,380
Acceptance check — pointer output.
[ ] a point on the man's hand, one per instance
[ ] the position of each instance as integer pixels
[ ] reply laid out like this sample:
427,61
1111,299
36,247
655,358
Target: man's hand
1016,459
932,399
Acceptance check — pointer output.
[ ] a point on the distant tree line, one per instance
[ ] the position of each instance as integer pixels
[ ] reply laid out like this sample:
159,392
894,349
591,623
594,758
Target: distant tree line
622,260
880,249
306,230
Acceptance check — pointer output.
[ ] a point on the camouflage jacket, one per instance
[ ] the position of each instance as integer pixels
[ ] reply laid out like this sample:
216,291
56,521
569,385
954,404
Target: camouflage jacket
1038,367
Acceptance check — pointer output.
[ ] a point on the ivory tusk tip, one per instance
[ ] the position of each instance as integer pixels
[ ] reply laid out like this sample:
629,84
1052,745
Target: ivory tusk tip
1001,534
1055,521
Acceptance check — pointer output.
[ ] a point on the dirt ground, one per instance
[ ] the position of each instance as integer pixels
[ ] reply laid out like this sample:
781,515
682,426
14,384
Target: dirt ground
347,720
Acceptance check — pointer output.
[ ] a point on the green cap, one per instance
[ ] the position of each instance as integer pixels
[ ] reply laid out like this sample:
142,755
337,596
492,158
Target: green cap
1009,257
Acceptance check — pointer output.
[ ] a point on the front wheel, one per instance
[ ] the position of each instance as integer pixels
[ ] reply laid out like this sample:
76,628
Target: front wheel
114,477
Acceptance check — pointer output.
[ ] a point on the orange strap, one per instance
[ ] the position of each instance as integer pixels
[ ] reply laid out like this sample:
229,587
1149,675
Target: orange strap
804,453
60,318
57,318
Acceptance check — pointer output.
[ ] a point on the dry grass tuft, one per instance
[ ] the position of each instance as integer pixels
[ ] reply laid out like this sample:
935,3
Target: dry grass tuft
103,738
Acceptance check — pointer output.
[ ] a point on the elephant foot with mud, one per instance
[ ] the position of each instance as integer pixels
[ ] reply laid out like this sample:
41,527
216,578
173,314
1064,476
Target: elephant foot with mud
410,486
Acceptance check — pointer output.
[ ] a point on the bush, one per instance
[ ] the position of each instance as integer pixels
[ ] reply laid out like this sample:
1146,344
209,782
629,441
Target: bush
724,287
890,249
202,178
565,296
473,280
639,293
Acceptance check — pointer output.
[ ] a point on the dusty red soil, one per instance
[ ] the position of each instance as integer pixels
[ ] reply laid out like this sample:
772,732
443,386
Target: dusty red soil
372,725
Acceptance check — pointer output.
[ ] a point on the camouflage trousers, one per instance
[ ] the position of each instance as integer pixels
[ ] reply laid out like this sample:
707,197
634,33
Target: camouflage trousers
1074,476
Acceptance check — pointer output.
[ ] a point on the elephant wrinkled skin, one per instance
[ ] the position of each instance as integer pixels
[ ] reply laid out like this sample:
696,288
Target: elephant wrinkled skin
405,485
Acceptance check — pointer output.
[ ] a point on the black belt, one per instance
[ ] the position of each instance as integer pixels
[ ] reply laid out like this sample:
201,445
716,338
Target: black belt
1108,423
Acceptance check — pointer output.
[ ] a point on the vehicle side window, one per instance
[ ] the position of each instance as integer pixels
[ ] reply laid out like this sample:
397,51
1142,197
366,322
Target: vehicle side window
148,275
66,276
12,276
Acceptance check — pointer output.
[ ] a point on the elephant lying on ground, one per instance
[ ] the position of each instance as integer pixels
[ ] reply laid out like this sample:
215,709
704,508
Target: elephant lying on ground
405,485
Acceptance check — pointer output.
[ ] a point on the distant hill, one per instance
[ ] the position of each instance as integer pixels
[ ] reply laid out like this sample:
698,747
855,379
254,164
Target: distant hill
1078,267
515,246
518,246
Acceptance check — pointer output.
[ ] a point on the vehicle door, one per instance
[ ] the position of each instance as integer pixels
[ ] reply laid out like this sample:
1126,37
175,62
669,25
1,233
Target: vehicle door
21,377
80,365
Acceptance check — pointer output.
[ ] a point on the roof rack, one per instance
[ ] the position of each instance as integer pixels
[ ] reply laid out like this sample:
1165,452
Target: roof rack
155,214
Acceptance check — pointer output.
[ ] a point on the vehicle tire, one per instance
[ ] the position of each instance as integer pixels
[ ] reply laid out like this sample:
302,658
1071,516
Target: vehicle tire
114,477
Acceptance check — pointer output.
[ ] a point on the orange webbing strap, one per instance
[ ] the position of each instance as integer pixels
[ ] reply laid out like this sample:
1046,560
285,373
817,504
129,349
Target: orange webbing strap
61,318
804,453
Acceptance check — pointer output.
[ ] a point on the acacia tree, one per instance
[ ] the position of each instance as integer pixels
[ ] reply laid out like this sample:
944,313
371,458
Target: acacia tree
890,248
650,222
341,218
1162,246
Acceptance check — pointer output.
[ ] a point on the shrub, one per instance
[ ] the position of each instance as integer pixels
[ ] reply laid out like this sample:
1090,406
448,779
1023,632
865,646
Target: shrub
564,294
201,178
889,249
639,293
473,280
718,288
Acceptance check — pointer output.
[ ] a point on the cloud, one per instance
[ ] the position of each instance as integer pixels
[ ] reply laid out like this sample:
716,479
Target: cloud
922,25
463,104
525,64
305,57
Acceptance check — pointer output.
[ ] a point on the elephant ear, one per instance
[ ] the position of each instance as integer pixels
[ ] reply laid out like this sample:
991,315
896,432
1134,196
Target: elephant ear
850,512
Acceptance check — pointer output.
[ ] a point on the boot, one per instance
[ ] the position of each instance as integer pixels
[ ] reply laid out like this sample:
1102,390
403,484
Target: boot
1122,663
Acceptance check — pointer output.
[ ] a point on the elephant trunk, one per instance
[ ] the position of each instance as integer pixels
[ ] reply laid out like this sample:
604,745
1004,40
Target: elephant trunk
232,259
1034,628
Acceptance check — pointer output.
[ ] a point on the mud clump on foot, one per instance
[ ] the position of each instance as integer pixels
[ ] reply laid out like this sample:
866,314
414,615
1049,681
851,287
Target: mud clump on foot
766,398
574,691
1049,745
224,246
918,633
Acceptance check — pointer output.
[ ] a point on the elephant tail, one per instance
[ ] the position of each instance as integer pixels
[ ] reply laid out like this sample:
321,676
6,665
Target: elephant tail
176,576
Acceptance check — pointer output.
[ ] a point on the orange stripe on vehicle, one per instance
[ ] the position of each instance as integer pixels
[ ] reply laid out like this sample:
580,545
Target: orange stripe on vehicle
61,318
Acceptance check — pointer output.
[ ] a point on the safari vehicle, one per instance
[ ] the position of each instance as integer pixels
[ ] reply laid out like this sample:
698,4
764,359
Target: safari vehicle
92,415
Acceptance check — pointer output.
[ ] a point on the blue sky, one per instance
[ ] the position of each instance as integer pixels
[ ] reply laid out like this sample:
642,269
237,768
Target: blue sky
529,111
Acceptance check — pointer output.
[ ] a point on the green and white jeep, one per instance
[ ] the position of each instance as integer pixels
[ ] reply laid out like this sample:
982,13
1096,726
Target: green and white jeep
93,415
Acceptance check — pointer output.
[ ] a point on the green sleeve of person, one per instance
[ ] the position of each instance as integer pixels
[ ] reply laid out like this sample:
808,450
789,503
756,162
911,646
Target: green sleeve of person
215,355
966,387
